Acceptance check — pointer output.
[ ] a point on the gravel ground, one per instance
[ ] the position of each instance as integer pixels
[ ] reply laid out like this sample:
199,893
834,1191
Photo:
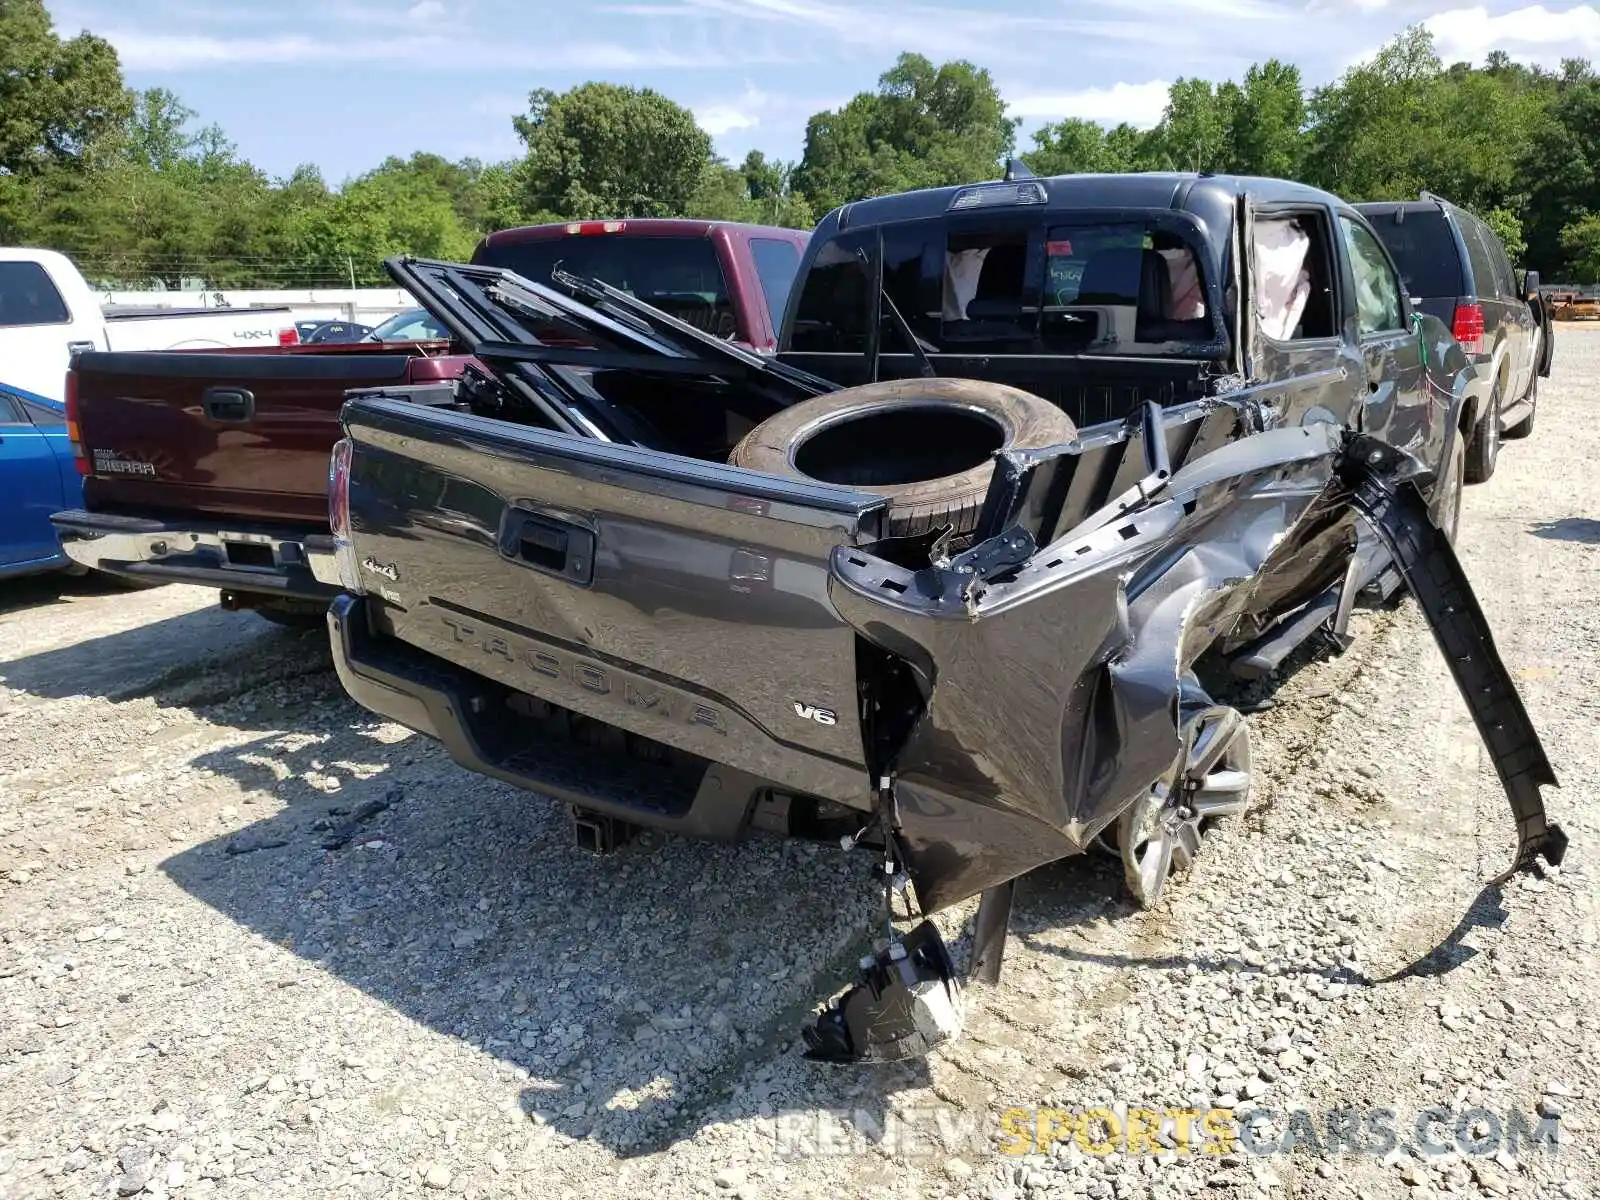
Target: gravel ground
255,943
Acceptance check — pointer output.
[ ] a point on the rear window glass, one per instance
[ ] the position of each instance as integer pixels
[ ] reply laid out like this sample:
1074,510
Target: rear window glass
1424,249
27,297
1484,281
834,306
776,263
1010,287
1488,258
681,276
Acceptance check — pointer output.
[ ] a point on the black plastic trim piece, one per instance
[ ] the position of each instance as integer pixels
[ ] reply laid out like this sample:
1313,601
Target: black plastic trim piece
1399,514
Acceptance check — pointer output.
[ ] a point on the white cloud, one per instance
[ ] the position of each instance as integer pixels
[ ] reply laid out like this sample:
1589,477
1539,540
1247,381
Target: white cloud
720,119
425,10
726,116
142,50
982,33
1139,104
1531,34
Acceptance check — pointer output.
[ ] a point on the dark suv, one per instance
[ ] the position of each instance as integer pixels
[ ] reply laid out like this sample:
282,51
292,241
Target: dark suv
1456,268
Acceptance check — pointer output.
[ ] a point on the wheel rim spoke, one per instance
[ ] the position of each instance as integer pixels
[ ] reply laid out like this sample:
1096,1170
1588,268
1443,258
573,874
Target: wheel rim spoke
1160,834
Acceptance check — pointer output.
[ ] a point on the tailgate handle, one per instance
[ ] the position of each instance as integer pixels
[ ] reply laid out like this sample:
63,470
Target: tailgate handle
548,545
228,404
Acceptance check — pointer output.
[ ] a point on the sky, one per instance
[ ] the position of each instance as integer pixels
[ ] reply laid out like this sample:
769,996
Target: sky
345,83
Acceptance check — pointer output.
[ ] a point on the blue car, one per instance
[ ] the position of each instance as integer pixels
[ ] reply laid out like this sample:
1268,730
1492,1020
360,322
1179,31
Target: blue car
37,478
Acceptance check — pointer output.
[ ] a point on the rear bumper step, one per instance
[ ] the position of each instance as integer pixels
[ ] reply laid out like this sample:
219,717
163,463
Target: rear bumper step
243,558
467,714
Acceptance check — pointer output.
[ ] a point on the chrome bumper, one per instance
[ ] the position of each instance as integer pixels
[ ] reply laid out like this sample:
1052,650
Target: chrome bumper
245,558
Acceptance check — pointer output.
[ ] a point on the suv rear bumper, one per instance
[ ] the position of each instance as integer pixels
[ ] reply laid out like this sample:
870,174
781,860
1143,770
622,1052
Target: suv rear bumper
466,713
268,560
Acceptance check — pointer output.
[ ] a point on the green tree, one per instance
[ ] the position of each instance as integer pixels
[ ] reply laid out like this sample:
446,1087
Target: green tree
723,194
756,191
58,98
156,134
1507,227
1561,169
1192,135
1580,243
498,192
1077,147
1264,121
1368,127
925,126
603,150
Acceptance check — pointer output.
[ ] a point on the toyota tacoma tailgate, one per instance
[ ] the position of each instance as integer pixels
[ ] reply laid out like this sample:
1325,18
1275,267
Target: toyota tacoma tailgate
682,603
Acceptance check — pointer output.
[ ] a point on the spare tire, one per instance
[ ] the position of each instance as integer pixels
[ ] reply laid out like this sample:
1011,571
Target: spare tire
926,444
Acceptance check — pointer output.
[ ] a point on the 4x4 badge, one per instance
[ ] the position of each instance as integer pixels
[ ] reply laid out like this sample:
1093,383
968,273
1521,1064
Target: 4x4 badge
388,570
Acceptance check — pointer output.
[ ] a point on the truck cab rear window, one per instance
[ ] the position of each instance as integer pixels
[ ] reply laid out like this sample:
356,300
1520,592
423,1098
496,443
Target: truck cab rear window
681,276
28,297
1116,287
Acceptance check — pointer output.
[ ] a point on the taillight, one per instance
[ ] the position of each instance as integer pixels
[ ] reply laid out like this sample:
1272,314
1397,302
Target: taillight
289,336
1468,327
344,551
589,227
80,458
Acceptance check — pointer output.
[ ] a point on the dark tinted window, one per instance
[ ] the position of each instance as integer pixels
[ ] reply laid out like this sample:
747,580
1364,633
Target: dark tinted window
1009,285
10,411
1483,272
1424,249
679,275
42,415
832,312
1505,284
777,261
27,297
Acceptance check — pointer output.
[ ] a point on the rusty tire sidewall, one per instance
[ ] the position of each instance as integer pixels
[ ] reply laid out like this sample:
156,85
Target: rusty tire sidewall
1026,421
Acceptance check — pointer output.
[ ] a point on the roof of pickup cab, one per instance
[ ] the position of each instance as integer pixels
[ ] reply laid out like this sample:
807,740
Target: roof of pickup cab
683,227
1206,196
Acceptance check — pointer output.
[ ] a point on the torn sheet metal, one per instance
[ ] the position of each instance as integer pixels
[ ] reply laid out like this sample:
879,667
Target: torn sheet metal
1053,685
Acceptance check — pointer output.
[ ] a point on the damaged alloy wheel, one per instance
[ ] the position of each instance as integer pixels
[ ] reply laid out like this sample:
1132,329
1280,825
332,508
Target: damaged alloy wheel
1159,834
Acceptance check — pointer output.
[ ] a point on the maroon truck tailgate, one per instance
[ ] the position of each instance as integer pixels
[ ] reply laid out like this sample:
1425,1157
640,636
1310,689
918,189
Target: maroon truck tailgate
241,435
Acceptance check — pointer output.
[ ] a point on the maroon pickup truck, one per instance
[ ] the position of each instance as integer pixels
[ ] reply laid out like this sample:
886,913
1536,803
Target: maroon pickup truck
211,468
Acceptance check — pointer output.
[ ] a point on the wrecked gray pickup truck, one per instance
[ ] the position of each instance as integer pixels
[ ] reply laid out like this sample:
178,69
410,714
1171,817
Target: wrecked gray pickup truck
944,580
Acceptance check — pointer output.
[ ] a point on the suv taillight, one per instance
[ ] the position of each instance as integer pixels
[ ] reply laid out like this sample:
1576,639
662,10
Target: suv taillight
80,457
339,516
289,336
1468,327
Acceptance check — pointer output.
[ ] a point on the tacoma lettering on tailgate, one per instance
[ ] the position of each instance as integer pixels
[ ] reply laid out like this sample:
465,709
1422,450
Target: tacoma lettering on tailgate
576,672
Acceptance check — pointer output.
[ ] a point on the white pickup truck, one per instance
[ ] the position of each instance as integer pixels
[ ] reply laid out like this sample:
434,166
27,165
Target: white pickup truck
48,313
